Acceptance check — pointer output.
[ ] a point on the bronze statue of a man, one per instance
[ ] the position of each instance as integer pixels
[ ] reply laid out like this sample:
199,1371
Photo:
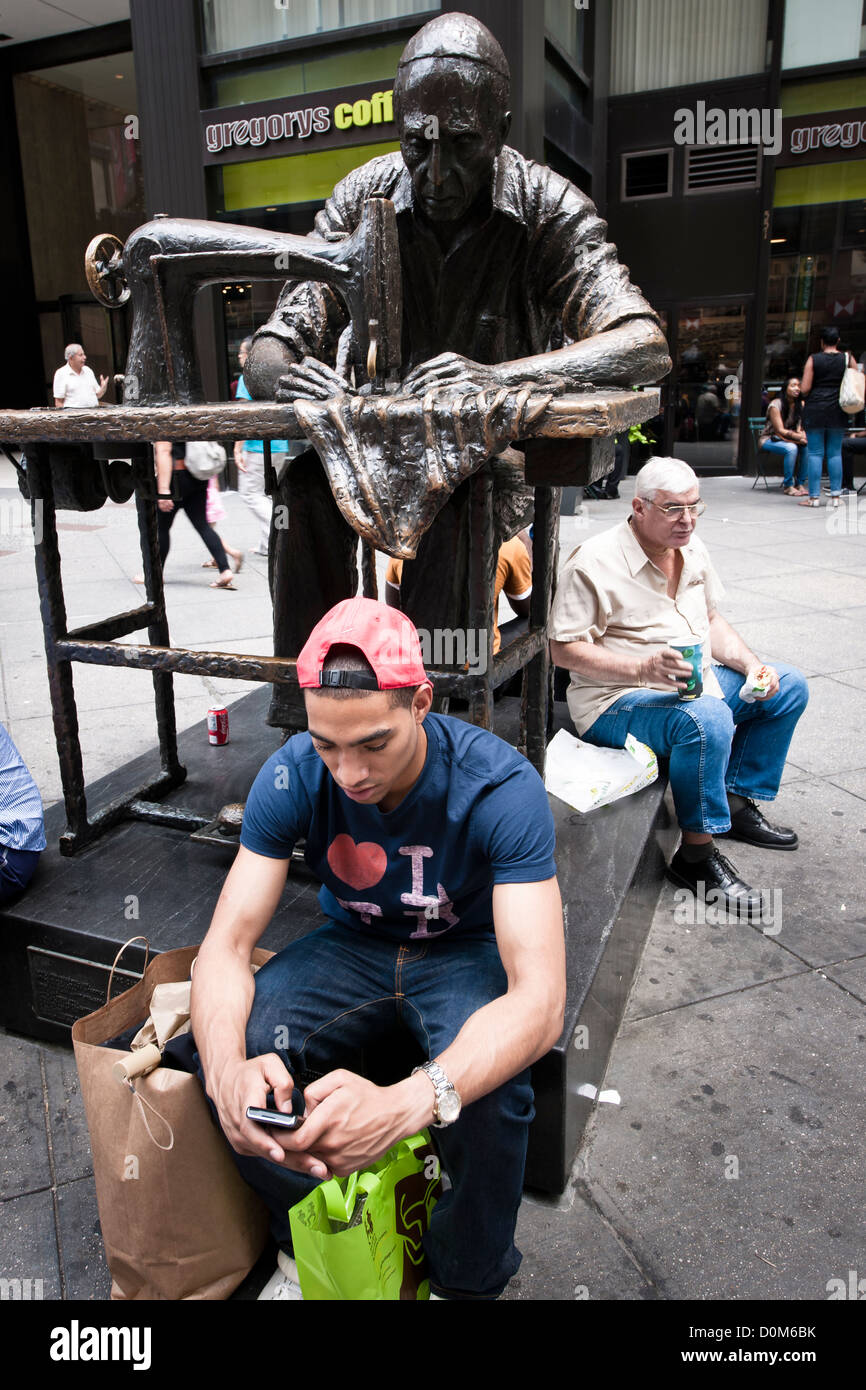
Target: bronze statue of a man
500,258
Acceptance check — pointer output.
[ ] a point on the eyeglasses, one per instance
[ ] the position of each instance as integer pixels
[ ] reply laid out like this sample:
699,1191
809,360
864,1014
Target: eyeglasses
676,513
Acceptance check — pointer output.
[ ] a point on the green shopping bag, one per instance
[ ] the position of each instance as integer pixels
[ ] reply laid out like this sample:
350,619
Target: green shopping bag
359,1238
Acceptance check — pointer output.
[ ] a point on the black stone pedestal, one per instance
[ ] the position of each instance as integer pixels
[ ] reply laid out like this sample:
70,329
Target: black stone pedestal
58,941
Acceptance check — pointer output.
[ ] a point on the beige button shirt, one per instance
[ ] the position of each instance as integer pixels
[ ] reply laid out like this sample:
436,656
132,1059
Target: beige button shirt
611,592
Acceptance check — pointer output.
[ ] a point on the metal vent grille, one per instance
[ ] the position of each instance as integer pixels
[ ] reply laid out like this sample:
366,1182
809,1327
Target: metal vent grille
646,174
722,166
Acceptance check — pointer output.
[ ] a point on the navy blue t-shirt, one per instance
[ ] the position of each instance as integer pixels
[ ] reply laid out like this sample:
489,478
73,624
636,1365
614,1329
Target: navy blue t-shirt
478,815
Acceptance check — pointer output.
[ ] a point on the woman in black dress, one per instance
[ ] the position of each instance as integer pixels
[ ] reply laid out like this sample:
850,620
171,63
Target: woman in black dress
824,420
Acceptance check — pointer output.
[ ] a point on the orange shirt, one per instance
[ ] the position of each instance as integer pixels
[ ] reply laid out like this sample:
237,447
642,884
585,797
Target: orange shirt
513,576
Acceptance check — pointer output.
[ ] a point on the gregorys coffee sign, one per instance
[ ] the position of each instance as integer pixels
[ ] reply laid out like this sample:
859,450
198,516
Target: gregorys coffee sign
327,120
819,139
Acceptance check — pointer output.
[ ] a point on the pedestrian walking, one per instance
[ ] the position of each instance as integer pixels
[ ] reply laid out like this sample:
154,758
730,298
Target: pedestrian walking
177,490
250,462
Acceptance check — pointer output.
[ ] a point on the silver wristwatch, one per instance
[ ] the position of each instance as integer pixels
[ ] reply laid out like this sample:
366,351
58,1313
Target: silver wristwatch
447,1105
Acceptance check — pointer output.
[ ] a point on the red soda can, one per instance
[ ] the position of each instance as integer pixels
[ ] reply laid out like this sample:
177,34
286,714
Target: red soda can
218,725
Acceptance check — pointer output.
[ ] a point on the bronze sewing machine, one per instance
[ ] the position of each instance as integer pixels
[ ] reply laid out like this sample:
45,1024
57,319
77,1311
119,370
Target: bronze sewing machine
166,261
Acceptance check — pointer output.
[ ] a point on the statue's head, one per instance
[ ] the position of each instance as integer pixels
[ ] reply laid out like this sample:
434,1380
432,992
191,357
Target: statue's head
451,106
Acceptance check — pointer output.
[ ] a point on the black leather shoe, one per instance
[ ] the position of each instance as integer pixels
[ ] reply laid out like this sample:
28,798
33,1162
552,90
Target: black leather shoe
749,825
717,876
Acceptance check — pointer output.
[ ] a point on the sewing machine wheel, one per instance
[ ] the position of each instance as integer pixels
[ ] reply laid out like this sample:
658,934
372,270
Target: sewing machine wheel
103,266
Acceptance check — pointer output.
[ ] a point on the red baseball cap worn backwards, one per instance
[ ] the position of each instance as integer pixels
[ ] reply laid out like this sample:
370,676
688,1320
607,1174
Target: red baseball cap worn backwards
385,636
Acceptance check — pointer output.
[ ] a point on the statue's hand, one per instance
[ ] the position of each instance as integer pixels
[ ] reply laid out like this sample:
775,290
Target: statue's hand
311,380
450,369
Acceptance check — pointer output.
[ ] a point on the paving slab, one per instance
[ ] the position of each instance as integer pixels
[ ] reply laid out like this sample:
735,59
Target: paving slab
821,906
85,1271
64,1111
851,975
792,773
818,643
826,552
24,1157
28,1245
572,1253
855,677
738,564
733,1166
829,737
689,958
854,782
743,603
827,589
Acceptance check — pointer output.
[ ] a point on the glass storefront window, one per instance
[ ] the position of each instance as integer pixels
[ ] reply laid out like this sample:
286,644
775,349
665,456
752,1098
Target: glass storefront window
229,26
567,24
834,34
82,173
817,266
706,383
311,74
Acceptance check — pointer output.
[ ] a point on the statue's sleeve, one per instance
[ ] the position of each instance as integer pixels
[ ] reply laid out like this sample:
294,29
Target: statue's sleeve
583,286
309,316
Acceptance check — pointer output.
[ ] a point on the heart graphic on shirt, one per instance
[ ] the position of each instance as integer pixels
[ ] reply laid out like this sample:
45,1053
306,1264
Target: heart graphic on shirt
358,865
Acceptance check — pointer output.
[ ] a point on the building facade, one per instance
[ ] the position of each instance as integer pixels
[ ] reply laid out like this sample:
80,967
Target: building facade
725,144
736,192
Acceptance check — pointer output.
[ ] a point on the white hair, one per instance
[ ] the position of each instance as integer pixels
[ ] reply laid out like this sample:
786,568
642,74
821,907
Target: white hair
664,475
71,349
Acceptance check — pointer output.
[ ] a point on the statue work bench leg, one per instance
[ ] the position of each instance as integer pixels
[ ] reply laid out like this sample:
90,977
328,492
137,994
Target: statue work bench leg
312,567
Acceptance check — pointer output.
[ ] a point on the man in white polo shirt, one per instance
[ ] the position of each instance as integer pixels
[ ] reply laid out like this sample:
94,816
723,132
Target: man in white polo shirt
626,599
75,384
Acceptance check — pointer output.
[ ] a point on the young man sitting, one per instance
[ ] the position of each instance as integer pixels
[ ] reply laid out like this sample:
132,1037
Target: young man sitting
433,841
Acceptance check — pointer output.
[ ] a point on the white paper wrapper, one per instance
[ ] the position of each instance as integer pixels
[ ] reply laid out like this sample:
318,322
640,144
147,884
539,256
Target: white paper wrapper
587,777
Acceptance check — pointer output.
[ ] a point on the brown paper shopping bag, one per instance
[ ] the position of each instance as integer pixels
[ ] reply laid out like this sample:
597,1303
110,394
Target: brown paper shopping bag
178,1221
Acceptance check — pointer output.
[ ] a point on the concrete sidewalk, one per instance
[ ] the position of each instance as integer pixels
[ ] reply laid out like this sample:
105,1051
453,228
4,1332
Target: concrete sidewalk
731,1168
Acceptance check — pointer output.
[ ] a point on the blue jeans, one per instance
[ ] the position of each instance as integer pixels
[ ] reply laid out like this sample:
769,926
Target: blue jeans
17,867
317,1004
817,441
714,746
791,454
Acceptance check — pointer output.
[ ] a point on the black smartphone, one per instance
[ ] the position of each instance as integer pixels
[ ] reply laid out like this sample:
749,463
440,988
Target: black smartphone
275,1118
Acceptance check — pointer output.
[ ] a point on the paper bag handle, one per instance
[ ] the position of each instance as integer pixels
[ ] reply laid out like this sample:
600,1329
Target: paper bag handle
117,958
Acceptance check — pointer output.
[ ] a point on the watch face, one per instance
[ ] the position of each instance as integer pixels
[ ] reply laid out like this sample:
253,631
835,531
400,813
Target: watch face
449,1107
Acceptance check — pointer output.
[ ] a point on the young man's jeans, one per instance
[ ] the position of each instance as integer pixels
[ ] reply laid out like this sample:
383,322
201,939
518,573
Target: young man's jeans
793,459
714,746
817,442
326,996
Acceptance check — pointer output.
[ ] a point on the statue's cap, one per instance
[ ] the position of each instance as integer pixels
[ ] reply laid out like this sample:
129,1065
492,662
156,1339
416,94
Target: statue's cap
385,636
455,35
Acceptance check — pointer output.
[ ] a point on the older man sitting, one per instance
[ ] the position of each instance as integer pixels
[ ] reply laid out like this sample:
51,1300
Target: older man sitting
625,600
